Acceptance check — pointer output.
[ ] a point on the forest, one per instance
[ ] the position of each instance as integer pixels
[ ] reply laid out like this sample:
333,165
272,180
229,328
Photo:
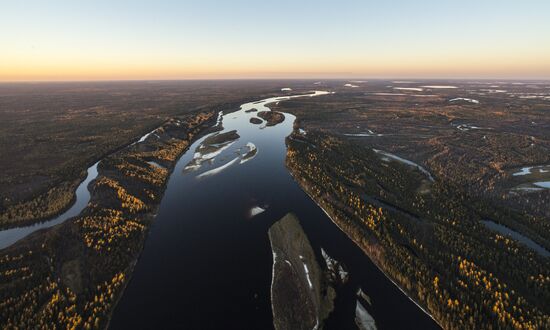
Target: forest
429,240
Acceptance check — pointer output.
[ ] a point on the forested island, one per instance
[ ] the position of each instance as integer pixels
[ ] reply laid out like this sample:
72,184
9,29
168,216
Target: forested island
301,294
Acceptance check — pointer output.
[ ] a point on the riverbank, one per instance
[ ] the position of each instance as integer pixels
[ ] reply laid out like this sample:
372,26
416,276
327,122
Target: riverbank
340,226
80,268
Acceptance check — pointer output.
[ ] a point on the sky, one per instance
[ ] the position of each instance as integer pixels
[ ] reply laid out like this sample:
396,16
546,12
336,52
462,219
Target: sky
206,39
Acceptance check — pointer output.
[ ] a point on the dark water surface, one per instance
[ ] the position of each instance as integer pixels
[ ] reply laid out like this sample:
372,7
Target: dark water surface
207,264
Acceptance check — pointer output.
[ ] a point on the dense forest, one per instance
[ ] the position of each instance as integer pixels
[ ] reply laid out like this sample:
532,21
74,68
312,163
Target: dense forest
427,235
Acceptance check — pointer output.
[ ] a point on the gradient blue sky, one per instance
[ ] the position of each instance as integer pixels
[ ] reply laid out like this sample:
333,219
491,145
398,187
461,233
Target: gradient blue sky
80,40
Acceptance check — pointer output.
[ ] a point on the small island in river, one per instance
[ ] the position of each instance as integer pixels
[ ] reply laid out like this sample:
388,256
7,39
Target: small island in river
301,297
256,121
272,117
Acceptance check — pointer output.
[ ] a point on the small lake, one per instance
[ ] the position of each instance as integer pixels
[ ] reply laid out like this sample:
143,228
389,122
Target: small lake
207,261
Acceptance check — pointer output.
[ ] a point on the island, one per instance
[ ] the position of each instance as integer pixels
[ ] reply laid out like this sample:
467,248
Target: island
301,296
256,121
272,117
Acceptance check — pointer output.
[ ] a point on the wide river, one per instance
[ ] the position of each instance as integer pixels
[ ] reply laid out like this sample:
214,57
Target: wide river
207,263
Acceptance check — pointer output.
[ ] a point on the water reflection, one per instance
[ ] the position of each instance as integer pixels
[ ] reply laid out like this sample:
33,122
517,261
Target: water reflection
207,261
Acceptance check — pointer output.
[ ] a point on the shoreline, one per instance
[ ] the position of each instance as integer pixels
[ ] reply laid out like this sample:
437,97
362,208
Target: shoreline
422,308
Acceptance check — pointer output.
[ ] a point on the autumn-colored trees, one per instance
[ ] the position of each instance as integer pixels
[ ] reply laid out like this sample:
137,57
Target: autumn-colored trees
43,206
431,242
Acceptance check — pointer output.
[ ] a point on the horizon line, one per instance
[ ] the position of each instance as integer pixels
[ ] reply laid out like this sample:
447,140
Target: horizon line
533,79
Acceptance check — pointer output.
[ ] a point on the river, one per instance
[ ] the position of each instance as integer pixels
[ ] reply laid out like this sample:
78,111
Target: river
12,235
207,259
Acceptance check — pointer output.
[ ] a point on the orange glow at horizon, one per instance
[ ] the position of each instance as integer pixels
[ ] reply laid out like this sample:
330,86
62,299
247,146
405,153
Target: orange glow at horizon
166,39
150,69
